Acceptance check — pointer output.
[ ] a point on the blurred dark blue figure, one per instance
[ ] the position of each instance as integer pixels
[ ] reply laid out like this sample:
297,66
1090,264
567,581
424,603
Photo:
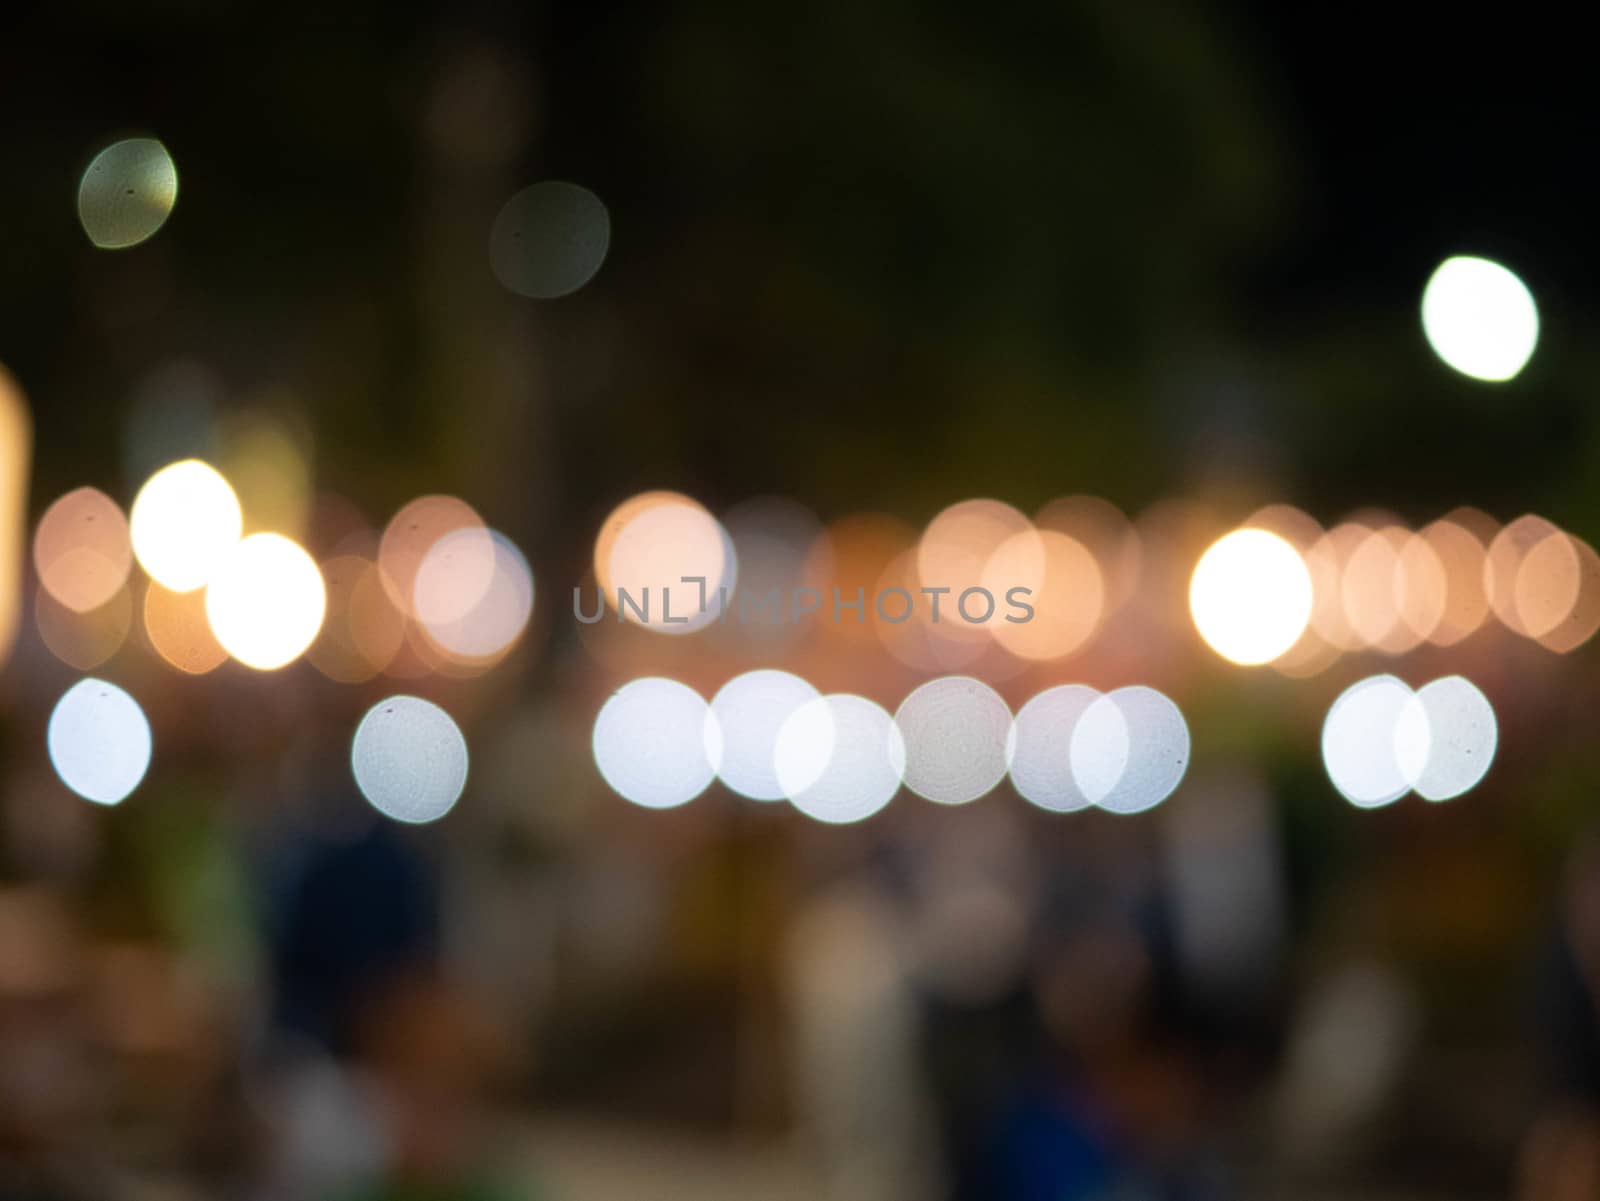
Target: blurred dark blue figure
351,912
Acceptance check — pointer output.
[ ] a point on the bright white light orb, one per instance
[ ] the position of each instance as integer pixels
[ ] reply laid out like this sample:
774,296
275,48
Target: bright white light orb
1250,596
656,743
1041,755
840,758
749,710
1375,741
266,602
1130,750
957,733
1463,737
1480,318
184,521
99,741
409,759
127,193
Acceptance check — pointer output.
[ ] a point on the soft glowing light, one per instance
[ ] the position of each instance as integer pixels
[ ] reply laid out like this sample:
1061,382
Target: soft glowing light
1130,750
666,563
127,193
839,758
185,520
657,743
1480,318
81,549
1041,756
1463,736
16,444
409,759
751,709
1066,593
456,581
1375,741
1461,558
99,741
957,733
83,640
176,625
266,602
953,552
549,240
482,633
1502,569
1250,596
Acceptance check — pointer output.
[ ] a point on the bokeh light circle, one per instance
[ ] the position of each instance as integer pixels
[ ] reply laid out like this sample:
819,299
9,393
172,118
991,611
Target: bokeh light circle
1462,736
99,741
266,602
957,733
409,759
656,743
1130,749
750,710
1041,756
1250,596
184,522
82,550
1375,741
840,758
127,193
1480,318
549,240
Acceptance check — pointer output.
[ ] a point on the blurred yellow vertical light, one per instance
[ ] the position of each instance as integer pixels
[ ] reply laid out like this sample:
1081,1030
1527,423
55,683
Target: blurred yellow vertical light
16,443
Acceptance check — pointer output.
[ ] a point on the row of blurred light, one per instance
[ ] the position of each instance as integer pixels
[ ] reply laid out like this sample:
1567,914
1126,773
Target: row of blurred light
770,735
1381,740
408,756
438,583
1281,590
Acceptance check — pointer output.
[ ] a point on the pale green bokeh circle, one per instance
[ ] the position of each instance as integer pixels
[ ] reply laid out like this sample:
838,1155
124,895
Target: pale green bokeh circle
127,193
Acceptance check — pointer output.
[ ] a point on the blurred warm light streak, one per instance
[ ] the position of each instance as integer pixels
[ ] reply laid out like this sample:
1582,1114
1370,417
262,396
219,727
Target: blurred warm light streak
1460,554
81,549
1506,554
175,625
16,446
478,637
185,521
651,551
1106,533
84,638
1558,592
1068,593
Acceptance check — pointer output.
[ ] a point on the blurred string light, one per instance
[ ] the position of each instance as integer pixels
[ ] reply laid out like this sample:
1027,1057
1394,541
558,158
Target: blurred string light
1130,750
1251,596
957,736
1480,318
127,193
1381,740
840,758
751,709
651,552
456,581
184,522
81,549
266,601
16,447
657,743
99,741
1067,593
409,759
549,240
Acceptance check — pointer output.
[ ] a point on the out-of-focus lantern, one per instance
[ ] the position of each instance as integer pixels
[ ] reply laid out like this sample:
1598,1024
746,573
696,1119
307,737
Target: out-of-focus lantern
16,443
